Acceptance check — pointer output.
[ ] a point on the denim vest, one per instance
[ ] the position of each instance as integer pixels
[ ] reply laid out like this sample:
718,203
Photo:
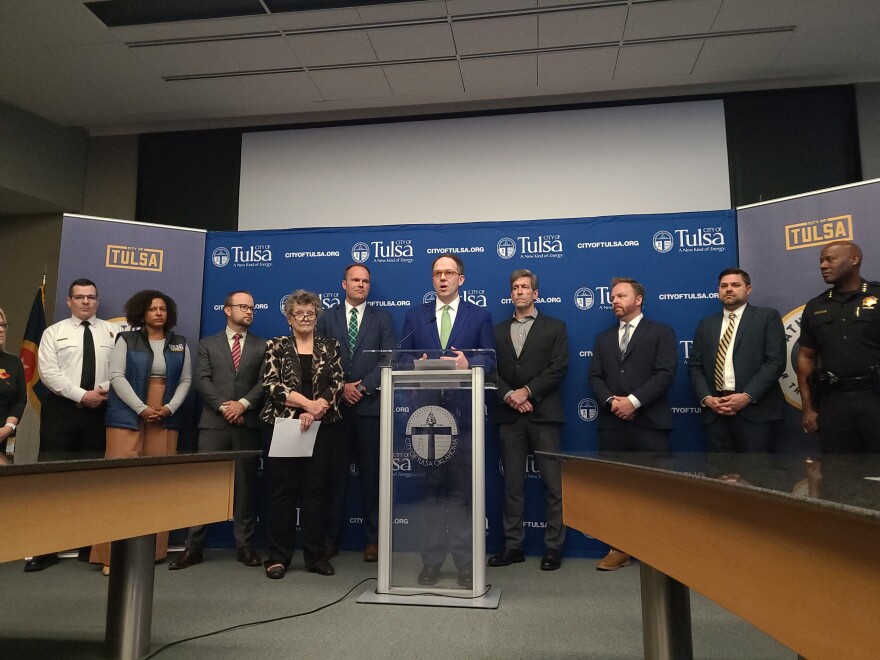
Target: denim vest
138,362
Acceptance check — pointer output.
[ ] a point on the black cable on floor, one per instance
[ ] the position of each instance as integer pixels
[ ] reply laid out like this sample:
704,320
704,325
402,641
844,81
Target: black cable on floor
258,623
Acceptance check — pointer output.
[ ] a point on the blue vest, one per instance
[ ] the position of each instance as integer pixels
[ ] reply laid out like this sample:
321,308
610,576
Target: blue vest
138,362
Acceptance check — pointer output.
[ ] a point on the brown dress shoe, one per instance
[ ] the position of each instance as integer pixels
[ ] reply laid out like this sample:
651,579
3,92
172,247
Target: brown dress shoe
613,560
248,556
371,553
186,559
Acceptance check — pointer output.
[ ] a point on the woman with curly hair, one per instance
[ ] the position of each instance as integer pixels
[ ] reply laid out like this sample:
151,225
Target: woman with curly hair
150,376
302,377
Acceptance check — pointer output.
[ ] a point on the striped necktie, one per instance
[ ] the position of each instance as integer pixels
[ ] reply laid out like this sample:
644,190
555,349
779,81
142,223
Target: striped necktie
721,355
236,350
352,329
624,341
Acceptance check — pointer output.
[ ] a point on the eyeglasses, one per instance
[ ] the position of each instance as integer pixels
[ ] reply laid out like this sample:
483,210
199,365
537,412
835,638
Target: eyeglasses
4,325
81,298
304,317
448,273
244,308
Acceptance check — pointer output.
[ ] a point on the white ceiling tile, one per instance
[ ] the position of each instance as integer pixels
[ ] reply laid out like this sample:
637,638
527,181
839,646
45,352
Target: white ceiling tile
428,78
576,67
513,71
210,93
357,83
301,20
286,87
584,26
657,60
667,19
496,35
465,7
402,11
238,25
412,42
254,54
751,14
748,51
333,48
155,32
179,59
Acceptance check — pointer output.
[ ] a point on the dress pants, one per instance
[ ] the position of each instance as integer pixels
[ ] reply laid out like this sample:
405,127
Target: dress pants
67,427
517,438
244,508
301,481
150,439
848,422
359,441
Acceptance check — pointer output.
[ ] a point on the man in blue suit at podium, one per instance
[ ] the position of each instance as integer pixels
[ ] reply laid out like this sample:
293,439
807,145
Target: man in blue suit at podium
451,325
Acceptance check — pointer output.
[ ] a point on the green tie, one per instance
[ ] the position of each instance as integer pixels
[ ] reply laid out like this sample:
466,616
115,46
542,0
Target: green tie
445,326
353,329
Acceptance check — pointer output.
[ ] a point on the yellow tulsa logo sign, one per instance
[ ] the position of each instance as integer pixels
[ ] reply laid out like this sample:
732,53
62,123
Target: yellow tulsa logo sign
134,258
818,232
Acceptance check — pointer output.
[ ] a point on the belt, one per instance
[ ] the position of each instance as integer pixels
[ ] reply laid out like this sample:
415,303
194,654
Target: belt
855,384
726,392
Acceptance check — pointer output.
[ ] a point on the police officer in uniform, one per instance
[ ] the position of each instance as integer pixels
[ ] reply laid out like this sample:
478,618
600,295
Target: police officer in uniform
838,365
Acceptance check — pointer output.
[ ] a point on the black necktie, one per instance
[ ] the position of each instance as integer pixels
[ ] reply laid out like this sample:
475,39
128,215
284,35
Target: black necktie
87,381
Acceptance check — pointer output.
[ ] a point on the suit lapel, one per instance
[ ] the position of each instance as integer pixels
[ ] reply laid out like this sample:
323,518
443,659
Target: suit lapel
637,335
460,322
223,347
533,332
365,325
743,321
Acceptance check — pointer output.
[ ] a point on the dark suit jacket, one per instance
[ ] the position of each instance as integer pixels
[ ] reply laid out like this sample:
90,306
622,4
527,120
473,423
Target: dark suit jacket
472,330
542,365
646,371
217,381
376,333
758,362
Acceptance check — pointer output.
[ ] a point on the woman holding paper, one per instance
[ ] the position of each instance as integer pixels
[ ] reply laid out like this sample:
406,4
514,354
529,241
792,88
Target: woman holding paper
302,377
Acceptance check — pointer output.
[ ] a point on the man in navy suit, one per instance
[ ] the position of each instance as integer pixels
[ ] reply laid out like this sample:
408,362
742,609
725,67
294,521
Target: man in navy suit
359,329
227,375
449,325
735,364
632,369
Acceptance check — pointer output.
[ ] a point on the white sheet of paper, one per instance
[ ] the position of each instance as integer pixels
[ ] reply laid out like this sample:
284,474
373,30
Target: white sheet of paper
288,441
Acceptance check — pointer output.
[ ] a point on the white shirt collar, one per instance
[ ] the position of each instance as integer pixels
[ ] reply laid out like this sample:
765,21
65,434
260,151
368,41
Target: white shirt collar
453,306
360,308
633,324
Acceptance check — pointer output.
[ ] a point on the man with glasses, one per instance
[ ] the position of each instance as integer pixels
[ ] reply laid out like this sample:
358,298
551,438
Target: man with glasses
227,376
449,325
74,359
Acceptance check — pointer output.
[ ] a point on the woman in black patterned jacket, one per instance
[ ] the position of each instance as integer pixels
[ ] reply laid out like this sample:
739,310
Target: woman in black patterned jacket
302,377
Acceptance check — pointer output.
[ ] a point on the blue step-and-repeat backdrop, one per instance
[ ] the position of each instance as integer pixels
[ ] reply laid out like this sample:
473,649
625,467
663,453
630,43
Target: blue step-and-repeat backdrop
677,257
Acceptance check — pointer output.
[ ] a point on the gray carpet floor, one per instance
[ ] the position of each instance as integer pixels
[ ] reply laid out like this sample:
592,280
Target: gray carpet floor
576,612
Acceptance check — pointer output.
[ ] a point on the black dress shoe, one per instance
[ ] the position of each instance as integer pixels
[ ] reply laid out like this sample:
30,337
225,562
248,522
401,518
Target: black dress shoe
321,567
551,560
275,571
429,575
507,557
248,556
40,562
186,559
466,577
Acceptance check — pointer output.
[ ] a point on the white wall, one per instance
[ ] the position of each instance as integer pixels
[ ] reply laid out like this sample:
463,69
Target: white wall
577,163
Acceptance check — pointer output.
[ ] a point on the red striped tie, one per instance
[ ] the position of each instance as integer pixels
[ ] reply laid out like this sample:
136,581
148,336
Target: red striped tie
236,350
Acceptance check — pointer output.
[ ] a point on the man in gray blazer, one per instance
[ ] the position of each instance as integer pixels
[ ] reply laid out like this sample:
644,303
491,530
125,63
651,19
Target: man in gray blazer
532,353
227,376
735,363
360,330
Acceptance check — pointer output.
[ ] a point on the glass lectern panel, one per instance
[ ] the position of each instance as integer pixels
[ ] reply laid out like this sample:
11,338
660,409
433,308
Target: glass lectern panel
424,360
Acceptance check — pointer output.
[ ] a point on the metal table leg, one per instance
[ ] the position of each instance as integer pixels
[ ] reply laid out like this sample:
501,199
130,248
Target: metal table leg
666,617
130,598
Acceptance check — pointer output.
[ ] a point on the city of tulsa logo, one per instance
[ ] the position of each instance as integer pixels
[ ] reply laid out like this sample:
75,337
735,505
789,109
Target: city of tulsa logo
431,435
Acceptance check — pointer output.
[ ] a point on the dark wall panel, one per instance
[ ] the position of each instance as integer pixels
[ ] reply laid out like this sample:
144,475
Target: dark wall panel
190,179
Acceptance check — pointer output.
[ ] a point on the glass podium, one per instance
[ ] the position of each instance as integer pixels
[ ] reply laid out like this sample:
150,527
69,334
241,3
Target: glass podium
432,514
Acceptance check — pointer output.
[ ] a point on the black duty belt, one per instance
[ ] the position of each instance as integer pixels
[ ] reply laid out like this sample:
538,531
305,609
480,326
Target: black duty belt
855,384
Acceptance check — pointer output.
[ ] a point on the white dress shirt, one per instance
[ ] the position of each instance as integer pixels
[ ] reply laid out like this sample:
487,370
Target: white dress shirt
360,317
60,355
632,330
729,376
453,310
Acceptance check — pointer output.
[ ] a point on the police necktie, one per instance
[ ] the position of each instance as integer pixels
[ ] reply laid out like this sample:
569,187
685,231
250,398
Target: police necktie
236,350
352,329
445,326
721,355
624,341
87,379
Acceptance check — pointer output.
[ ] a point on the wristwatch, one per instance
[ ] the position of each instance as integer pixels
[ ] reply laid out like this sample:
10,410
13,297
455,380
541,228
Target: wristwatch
360,388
